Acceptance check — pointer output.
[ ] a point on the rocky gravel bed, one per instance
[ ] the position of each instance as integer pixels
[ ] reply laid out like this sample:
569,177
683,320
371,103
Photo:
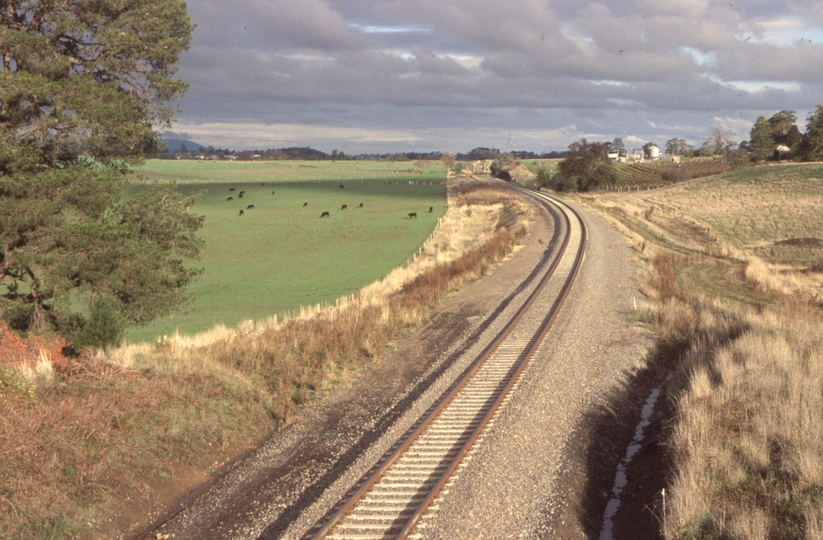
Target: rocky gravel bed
528,477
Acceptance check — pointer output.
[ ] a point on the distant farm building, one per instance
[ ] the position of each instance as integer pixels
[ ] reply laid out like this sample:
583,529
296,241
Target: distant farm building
619,155
637,154
781,152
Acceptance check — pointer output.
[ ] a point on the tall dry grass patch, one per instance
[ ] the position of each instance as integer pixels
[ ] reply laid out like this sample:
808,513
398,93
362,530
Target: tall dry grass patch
734,279
26,362
74,458
749,436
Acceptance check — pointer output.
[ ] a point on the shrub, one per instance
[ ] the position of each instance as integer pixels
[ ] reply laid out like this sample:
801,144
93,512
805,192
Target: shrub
544,177
104,327
13,383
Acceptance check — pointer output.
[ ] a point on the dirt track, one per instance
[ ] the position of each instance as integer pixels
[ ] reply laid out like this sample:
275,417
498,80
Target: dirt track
545,468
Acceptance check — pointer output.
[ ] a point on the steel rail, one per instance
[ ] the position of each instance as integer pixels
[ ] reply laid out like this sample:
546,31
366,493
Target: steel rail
478,364
544,329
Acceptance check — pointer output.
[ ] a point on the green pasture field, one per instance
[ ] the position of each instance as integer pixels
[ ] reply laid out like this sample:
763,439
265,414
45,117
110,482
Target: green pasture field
281,255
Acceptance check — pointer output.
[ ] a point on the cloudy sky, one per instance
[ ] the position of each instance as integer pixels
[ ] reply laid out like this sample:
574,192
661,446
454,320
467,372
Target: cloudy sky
452,75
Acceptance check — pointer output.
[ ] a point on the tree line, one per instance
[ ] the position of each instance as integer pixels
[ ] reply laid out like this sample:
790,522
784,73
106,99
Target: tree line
311,154
588,165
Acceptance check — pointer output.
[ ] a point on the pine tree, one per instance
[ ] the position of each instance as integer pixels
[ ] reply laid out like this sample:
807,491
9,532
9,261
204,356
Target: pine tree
84,84
811,146
760,138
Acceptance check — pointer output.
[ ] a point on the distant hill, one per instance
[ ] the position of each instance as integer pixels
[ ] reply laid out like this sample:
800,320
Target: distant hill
175,145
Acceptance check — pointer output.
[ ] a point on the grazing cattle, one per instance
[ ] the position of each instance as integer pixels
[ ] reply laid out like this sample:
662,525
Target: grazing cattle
250,207
342,186
412,215
345,206
230,199
262,183
241,212
431,209
305,204
361,205
231,189
240,195
272,192
324,214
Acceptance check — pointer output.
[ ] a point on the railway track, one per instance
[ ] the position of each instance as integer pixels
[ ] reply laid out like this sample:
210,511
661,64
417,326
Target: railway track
397,498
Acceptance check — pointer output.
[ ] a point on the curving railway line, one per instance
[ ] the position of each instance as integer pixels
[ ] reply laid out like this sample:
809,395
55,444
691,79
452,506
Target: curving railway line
398,496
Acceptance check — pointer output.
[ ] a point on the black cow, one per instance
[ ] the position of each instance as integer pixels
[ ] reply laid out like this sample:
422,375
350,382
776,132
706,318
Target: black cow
241,212
230,199
242,193
342,186
272,192
231,189
324,214
305,204
262,183
344,207
412,215
431,209
361,205
250,207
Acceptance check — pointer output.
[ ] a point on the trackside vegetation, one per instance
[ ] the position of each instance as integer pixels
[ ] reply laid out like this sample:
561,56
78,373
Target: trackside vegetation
734,275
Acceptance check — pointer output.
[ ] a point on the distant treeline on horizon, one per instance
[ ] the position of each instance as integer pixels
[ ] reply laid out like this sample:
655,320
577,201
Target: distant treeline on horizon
182,150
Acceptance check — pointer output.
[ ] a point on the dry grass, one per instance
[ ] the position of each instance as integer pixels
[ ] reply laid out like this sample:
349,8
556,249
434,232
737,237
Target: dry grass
765,218
749,437
740,338
104,439
755,211
104,435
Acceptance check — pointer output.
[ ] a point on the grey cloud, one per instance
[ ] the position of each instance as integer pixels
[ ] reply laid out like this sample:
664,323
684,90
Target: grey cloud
478,63
765,63
261,24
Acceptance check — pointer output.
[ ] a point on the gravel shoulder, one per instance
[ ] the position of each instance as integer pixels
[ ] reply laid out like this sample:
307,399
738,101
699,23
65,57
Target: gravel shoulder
541,472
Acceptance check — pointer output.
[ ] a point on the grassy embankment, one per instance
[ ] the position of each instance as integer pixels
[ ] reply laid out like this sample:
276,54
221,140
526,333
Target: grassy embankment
104,444
734,273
